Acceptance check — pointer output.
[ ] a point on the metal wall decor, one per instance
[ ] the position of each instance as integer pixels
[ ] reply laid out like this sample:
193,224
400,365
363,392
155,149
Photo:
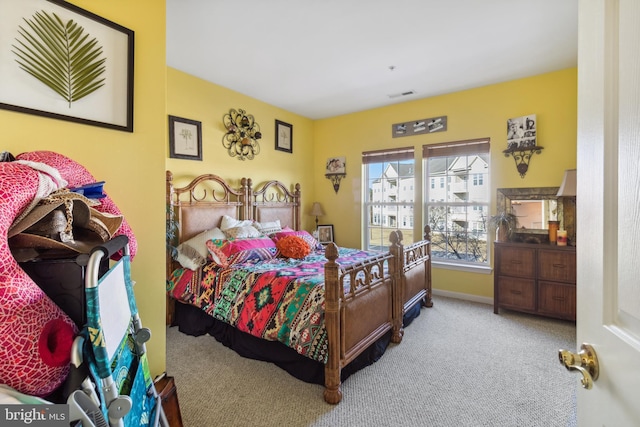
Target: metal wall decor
416,127
243,133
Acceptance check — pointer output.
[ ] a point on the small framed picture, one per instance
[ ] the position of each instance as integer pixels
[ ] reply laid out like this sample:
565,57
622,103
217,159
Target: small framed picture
284,136
521,132
325,234
185,138
336,165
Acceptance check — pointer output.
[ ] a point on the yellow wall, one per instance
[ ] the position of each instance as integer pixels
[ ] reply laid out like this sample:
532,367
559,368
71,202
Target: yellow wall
192,98
476,113
132,164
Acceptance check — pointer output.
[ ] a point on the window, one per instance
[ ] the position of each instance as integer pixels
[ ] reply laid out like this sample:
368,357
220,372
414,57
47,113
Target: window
457,213
389,196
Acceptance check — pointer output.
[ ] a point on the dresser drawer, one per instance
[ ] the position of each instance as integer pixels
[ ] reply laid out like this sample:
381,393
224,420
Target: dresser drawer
557,300
518,262
516,293
557,266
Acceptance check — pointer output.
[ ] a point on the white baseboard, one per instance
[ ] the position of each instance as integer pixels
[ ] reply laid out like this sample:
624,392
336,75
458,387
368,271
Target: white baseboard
460,295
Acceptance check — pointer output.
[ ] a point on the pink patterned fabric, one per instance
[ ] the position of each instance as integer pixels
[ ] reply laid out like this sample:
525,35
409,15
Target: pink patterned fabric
35,334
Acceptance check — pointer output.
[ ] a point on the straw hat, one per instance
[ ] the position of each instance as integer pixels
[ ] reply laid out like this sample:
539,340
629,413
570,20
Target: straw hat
64,220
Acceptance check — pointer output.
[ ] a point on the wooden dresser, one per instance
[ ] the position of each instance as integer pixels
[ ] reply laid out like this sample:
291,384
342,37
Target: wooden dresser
535,278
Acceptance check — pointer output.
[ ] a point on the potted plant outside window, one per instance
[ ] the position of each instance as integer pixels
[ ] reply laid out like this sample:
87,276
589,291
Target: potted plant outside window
504,223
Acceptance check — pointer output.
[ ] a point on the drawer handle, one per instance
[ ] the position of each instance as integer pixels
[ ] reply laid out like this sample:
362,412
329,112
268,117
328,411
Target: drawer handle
515,261
559,265
516,292
557,298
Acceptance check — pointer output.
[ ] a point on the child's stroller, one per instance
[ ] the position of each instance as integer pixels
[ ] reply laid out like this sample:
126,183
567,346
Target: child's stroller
119,390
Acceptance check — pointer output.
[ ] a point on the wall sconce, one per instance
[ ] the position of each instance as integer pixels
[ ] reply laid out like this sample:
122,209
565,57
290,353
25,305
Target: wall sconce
242,135
336,169
522,157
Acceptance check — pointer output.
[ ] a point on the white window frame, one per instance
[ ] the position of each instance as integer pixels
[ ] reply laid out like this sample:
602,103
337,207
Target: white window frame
401,207
453,149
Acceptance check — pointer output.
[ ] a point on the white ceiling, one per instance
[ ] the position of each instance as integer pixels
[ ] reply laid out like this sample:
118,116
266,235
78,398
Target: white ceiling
323,58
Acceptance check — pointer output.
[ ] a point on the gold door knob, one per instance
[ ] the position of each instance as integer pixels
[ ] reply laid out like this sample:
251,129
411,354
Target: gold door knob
585,362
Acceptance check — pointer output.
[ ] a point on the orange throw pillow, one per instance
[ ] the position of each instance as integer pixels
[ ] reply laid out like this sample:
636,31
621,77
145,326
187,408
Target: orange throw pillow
293,247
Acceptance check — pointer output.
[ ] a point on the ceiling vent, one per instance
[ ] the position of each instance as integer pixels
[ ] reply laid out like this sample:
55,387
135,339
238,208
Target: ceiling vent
398,95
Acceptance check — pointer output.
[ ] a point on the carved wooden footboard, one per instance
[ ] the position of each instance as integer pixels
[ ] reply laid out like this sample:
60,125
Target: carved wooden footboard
355,319
414,276
376,301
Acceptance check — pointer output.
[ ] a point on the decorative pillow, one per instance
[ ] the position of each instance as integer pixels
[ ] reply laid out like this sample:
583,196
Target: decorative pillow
245,232
293,247
244,250
217,256
268,227
311,241
229,222
193,253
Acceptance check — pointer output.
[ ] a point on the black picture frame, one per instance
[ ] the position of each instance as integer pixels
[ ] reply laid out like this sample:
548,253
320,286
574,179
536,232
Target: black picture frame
182,143
284,136
325,233
109,106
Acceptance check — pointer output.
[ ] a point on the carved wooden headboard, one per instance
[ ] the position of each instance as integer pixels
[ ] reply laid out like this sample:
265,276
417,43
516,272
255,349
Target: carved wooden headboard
201,204
273,201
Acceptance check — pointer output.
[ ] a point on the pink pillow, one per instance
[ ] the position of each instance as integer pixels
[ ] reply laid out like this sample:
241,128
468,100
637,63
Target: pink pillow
237,251
305,235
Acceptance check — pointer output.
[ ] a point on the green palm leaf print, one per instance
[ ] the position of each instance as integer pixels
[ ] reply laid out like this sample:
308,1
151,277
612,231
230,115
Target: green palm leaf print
61,55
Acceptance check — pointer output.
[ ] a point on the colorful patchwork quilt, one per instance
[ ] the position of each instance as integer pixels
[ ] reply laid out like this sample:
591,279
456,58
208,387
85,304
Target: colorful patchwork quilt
280,299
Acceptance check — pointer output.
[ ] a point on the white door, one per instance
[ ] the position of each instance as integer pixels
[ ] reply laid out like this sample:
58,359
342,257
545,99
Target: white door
608,208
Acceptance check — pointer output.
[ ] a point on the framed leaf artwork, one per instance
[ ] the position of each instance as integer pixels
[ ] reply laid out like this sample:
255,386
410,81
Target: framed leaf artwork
66,63
284,136
185,138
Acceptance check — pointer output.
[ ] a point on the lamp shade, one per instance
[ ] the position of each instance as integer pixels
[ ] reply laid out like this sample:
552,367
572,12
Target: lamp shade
568,187
316,209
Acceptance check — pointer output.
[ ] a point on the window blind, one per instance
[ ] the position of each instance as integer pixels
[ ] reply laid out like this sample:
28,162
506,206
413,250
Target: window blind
456,148
380,156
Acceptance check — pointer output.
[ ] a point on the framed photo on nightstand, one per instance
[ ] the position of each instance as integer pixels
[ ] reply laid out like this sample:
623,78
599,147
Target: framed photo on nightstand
325,234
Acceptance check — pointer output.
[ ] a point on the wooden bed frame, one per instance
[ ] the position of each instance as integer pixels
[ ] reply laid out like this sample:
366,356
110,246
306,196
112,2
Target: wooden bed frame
376,301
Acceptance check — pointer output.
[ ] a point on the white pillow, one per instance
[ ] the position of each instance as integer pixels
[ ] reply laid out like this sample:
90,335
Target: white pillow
193,253
228,222
269,227
246,232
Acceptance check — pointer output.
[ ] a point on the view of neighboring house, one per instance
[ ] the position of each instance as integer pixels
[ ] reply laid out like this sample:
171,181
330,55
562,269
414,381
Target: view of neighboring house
457,204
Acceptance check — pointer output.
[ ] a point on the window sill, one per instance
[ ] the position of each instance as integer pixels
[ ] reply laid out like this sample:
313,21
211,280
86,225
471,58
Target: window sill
480,269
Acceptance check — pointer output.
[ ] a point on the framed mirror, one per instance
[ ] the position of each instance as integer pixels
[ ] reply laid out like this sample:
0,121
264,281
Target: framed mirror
533,206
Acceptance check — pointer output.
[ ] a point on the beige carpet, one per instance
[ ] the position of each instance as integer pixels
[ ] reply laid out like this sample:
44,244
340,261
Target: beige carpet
458,365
